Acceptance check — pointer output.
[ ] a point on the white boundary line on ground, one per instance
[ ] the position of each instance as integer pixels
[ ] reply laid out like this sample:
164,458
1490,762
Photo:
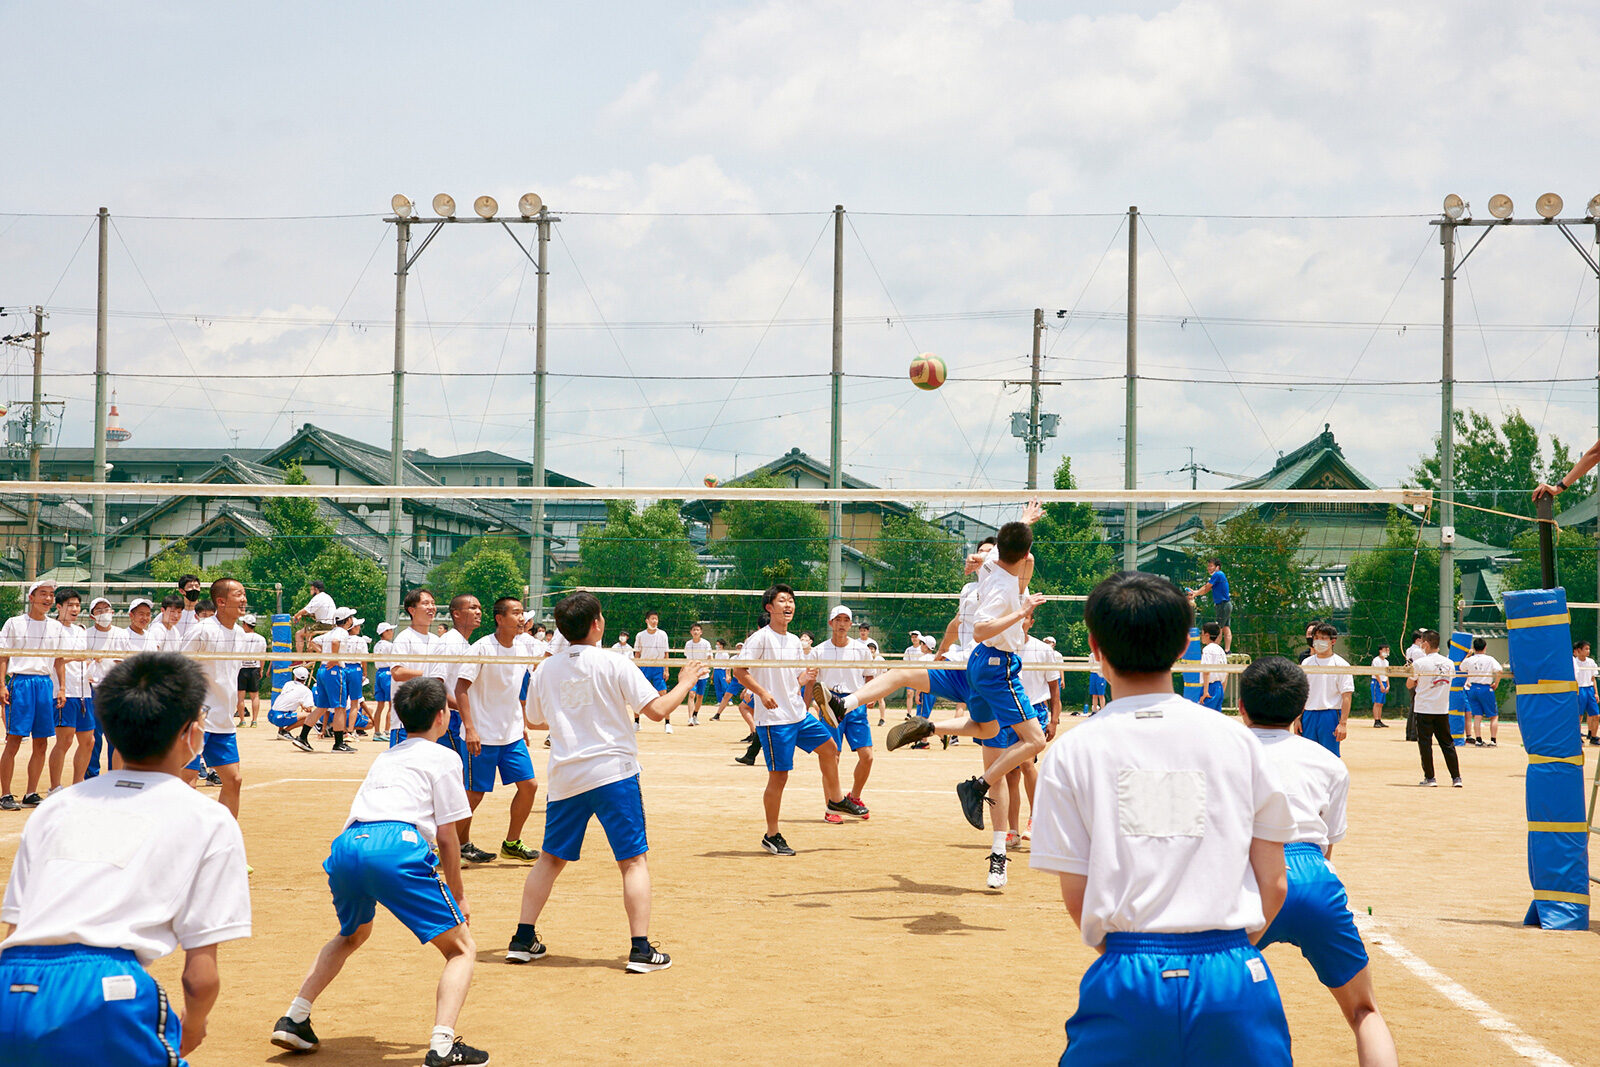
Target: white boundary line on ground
1514,1036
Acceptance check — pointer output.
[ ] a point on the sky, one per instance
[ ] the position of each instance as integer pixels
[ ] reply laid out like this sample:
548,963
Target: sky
1286,161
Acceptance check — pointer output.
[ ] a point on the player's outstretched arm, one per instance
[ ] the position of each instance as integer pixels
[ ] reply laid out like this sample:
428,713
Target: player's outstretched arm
1272,878
691,674
201,984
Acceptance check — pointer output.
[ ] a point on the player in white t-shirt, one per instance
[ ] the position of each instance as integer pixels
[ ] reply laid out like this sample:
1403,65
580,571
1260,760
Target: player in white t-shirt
31,688
320,607
74,718
1166,828
1483,673
329,689
652,643
1211,653
417,639
1380,687
294,708
102,637
697,647
382,681
221,633
781,721
115,873
465,615
1327,715
836,675
355,678
255,647
1585,670
399,848
586,698
1431,675
489,696
1315,917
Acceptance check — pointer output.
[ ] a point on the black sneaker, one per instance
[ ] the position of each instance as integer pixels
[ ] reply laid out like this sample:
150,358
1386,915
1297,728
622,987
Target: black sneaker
284,734
645,960
460,1053
829,706
848,806
748,759
213,778
343,747
32,800
9,803
296,1037
1379,724
775,844
909,732
303,746
1456,782
471,853
524,952
973,793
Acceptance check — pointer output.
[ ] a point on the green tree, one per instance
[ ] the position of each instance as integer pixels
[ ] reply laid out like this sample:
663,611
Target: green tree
770,541
1497,467
642,549
1394,589
491,573
1575,571
1272,588
922,558
445,577
1070,557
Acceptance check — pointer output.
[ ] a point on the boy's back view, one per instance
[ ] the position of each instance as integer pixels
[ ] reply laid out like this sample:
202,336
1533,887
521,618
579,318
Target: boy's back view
1165,826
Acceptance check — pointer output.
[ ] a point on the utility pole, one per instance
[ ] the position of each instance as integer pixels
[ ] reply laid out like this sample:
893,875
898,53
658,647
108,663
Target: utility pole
1130,435
1035,442
97,551
536,531
835,458
1447,499
397,439
32,553
1194,470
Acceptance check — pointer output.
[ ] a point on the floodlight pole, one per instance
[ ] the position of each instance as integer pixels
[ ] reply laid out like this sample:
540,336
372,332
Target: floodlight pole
1447,500
97,551
391,595
33,551
835,459
536,544
1130,435
1035,441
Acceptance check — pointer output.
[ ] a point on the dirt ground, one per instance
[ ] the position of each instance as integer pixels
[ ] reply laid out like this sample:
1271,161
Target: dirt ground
878,942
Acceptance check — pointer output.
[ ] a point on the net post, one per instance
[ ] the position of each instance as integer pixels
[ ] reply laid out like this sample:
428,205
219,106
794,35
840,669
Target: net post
1547,545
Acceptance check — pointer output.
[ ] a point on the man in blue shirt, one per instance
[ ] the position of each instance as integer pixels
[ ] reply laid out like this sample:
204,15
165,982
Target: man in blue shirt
1217,584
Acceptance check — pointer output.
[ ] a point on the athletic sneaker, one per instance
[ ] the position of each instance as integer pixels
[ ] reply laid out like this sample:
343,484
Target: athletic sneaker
973,793
460,1053
523,952
775,844
1380,724
1493,743
997,871
833,817
296,1037
748,759
848,806
9,803
1428,782
923,744
304,746
909,732
829,706
284,734
1027,830
693,721
1013,839
471,853
32,800
880,720
516,850
213,778
1478,741
1594,740
669,728
866,813
343,746
1456,782
645,960
381,737
717,717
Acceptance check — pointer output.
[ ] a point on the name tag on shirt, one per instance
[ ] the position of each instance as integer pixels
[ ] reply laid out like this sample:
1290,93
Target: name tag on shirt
1161,803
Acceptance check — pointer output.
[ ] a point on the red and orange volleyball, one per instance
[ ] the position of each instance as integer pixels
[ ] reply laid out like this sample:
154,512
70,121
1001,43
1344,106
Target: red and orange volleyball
928,371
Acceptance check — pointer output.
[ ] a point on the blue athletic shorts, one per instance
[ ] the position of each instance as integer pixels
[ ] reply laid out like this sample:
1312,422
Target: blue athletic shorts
620,809
1041,711
511,761
76,714
1378,694
1480,701
329,692
1004,739
656,676
1097,685
1315,918
397,734
1196,999
74,1004
527,680
1213,697
32,711
389,863
951,685
1587,707
995,678
355,681
282,719
734,689
924,706
779,742
854,730
382,686
1318,726
220,750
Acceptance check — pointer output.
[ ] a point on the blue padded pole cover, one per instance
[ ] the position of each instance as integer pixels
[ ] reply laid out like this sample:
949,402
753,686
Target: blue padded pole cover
1540,637
282,641
1192,689
1460,645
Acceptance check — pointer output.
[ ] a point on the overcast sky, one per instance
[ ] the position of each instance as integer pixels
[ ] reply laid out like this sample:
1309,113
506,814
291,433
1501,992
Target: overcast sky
985,153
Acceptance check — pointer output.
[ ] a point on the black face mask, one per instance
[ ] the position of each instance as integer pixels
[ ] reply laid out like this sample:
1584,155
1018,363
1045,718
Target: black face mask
191,595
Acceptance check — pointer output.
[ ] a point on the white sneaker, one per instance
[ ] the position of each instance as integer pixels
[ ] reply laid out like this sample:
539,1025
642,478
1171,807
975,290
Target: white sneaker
997,871
635,725
1428,782
669,727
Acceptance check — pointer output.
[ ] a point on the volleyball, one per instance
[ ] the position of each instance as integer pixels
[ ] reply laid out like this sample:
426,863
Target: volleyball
927,371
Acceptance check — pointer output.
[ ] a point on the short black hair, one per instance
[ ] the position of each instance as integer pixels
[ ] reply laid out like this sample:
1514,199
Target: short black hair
1140,621
1479,644
772,594
1214,559
172,600
1014,541
1579,644
1327,629
987,541
220,586
316,583
459,602
1212,629
721,643
1383,646
147,700
414,598
575,615
418,703
186,579
1273,691
503,604
1429,637
205,603
651,611
696,626
64,595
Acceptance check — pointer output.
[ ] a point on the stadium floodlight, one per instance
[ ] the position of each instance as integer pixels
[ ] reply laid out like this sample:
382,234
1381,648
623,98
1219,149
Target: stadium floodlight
1454,207
444,205
485,206
1594,207
1548,205
1500,206
402,205
530,204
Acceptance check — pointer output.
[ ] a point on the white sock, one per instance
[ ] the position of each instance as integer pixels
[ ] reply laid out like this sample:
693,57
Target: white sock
299,1009
999,842
443,1037
851,702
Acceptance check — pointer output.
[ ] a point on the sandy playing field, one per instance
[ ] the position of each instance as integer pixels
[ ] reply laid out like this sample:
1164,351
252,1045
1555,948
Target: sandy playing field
878,943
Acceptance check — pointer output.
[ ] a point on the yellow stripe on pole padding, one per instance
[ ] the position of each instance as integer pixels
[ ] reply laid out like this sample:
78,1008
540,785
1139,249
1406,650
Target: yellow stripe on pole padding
1564,619
1533,688
1558,827
1565,898
1577,760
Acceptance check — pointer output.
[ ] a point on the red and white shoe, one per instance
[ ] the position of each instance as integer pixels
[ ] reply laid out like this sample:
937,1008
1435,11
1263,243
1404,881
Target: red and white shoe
832,816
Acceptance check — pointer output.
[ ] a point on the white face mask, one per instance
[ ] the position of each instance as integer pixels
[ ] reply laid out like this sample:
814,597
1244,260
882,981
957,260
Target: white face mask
194,750
1323,645
103,619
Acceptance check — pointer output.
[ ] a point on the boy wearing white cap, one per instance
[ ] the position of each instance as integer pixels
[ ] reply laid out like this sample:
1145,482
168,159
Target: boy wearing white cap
75,717
255,647
294,708
355,676
32,690
330,677
382,682
102,638
837,674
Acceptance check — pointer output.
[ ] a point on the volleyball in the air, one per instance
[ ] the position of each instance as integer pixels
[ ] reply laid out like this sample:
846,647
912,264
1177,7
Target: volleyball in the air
927,371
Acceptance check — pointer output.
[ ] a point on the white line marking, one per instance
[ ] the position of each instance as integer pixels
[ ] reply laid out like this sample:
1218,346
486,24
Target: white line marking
1460,996
281,781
